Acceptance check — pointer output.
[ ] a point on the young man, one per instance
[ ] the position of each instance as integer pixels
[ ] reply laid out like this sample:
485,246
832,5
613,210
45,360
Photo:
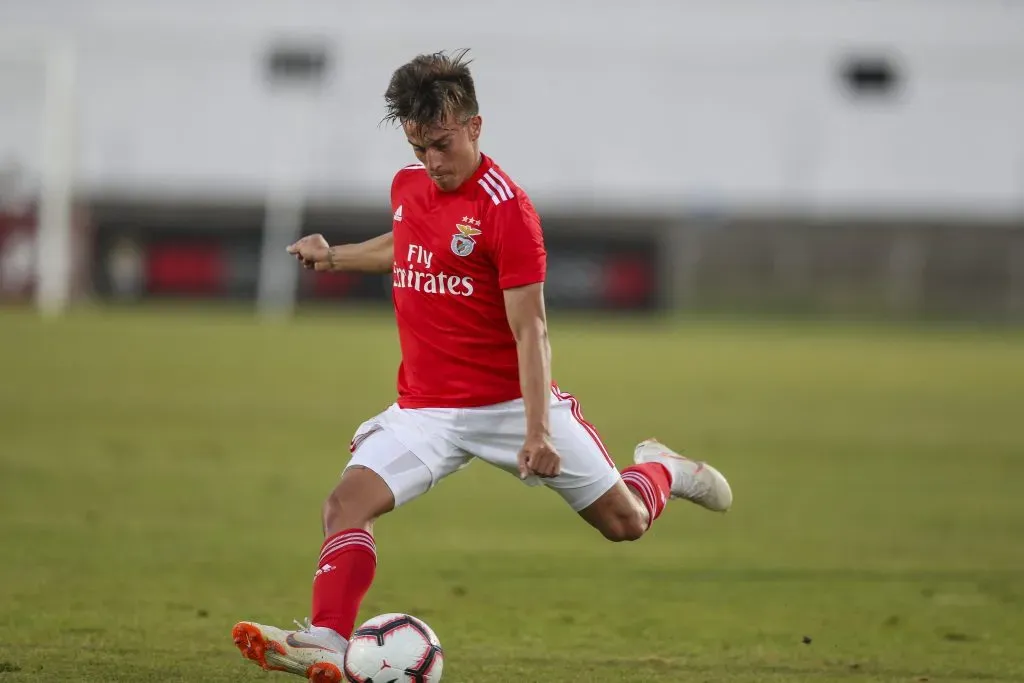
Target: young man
467,257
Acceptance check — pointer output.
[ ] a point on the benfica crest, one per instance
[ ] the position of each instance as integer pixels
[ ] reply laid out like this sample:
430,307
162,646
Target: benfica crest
462,241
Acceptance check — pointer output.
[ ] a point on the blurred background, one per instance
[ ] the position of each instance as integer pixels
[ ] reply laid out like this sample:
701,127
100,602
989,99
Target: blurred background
831,158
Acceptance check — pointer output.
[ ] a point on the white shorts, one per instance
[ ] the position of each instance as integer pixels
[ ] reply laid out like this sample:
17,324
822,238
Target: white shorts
413,449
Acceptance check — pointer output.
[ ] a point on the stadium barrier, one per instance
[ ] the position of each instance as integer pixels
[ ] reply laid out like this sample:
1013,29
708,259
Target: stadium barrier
904,268
178,253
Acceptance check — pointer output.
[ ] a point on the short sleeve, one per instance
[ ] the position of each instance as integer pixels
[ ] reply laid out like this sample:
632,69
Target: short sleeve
395,182
519,251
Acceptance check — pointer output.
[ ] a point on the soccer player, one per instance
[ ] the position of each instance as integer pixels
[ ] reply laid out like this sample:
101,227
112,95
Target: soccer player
467,258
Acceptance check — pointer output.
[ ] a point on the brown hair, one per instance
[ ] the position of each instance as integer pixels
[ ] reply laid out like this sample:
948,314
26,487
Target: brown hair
430,88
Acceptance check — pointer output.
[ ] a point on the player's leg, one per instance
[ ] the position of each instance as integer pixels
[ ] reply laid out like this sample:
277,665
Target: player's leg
394,461
589,481
383,474
370,486
348,555
626,510
622,506
659,473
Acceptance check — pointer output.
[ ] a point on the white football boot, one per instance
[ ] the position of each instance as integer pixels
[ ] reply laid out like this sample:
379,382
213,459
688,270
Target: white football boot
314,652
692,480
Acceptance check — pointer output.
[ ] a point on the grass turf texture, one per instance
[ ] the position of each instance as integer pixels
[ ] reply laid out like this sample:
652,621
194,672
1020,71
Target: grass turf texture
161,474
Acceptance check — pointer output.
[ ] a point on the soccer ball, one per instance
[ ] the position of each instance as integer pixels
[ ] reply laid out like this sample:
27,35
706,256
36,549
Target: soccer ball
394,648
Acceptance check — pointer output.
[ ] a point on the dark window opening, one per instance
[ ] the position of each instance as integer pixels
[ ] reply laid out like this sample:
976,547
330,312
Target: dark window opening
870,76
298,64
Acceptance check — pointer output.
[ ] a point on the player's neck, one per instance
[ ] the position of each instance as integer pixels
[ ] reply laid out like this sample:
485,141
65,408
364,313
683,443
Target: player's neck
476,167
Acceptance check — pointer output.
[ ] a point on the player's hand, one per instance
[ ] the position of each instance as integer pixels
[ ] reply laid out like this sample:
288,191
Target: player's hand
313,252
538,456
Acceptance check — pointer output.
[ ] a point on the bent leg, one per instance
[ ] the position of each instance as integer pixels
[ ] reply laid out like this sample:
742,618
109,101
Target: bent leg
383,474
621,506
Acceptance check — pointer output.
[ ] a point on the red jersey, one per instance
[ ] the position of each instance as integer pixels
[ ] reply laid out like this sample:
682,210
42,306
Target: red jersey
455,253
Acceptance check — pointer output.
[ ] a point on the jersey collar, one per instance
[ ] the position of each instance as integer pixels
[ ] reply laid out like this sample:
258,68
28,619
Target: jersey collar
485,165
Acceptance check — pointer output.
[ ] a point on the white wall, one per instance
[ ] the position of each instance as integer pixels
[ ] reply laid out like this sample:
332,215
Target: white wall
648,103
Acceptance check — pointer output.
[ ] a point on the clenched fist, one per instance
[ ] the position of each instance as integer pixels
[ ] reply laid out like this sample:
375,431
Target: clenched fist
538,456
313,252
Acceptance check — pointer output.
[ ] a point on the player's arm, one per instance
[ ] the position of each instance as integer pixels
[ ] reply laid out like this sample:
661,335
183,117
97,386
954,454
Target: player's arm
519,253
372,256
375,255
524,307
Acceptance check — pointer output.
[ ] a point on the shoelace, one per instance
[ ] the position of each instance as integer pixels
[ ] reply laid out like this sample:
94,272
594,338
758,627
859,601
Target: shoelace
307,628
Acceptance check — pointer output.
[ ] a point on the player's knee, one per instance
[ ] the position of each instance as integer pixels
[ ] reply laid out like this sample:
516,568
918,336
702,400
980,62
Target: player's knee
625,527
342,512
356,502
618,515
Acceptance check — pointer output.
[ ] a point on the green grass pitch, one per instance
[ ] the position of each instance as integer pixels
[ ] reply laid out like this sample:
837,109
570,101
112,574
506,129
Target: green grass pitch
161,475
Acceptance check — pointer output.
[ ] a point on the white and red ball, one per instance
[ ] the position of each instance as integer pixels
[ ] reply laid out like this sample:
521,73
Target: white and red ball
394,648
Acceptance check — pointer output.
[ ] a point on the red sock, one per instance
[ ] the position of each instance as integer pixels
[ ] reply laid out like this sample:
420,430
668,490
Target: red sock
653,483
348,560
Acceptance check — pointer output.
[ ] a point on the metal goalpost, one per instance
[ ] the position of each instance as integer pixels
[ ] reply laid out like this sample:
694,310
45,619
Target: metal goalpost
39,112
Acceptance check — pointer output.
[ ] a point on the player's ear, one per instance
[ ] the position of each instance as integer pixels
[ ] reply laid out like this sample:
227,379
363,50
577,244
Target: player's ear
475,125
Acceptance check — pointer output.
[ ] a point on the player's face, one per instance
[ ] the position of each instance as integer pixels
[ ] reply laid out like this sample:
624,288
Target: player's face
449,150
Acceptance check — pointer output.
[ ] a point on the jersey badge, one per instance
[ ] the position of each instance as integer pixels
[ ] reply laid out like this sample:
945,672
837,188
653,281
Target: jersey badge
462,241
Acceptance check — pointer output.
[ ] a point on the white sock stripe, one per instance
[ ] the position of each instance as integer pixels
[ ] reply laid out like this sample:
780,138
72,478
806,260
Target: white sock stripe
348,539
341,544
652,490
494,197
338,547
637,484
355,533
643,487
497,187
644,501
344,540
334,552
642,482
495,174
645,498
